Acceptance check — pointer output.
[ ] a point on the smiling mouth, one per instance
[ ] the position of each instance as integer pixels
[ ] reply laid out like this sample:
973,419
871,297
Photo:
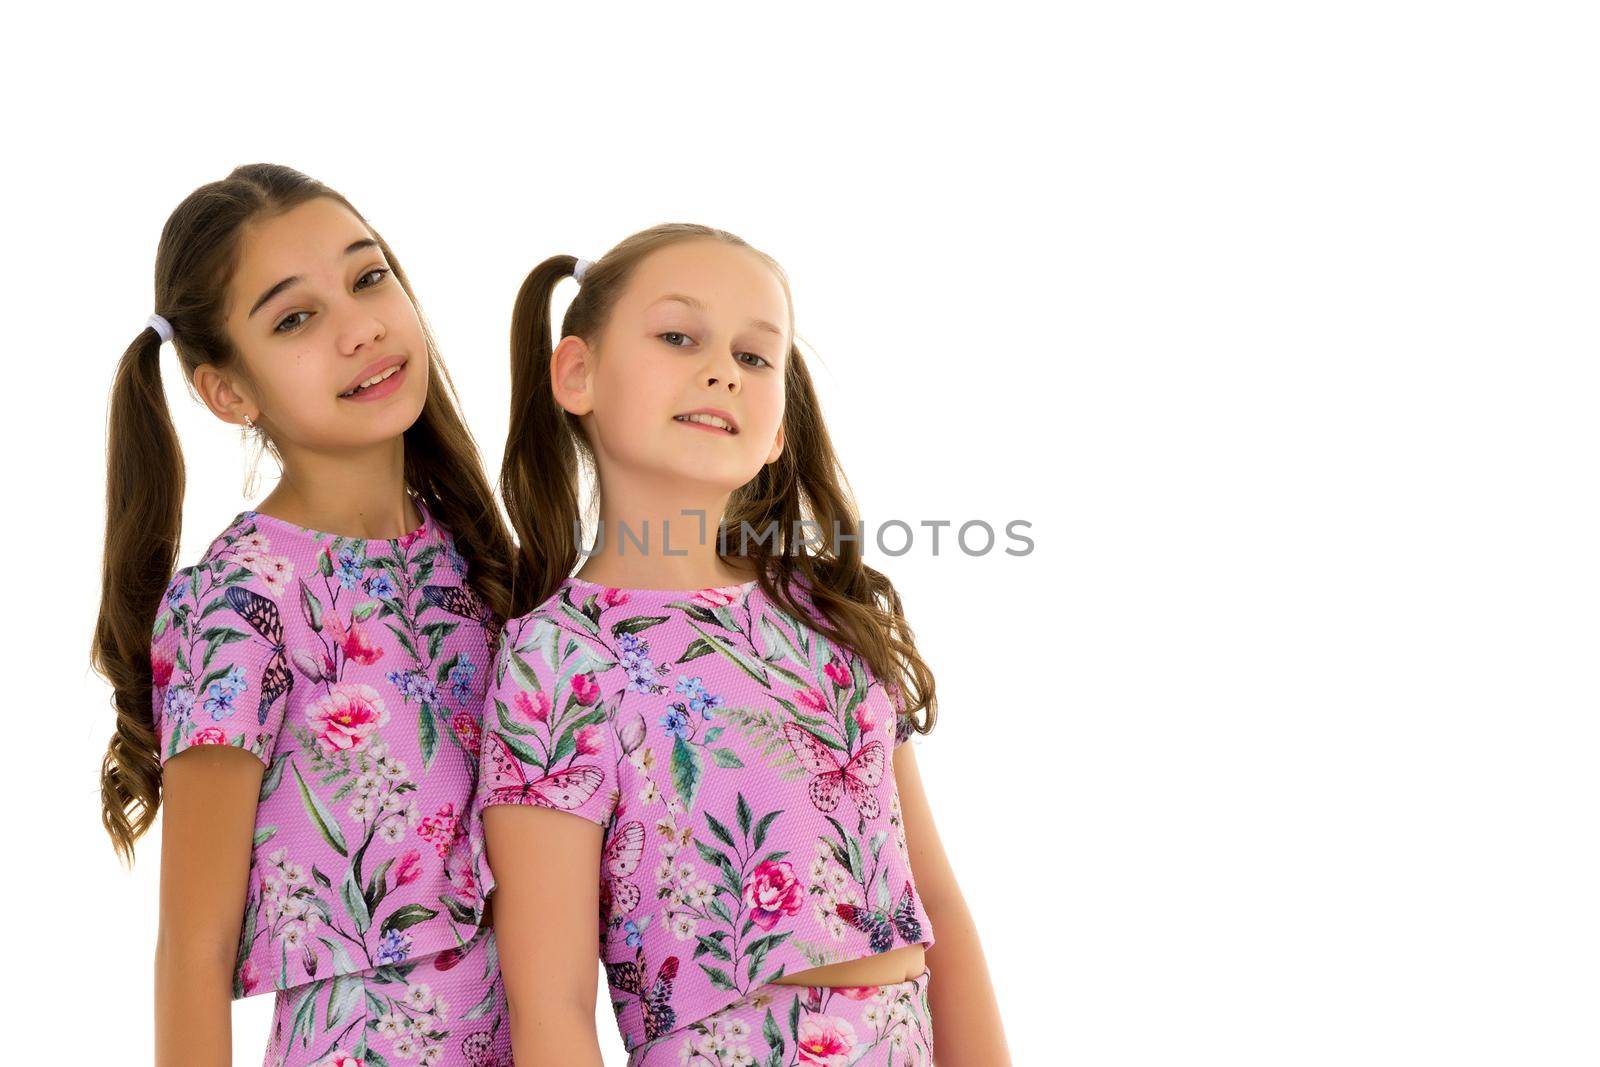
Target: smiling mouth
707,420
374,380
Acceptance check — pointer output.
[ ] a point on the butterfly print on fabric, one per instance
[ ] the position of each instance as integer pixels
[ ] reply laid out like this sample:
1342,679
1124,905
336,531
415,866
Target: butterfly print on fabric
462,601
623,852
880,927
476,1048
628,976
509,783
262,615
859,775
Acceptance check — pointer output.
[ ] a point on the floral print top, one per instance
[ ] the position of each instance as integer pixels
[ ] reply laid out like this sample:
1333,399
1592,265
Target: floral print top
355,670
740,765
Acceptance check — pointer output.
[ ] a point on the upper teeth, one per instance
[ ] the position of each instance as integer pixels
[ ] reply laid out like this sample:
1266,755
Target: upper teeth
375,379
708,420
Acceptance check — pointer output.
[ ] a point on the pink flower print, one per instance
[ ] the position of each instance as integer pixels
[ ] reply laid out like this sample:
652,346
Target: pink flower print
353,640
825,1041
211,735
314,663
340,1058
857,992
612,598
161,660
409,869
468,731
407,540
275,572
247,976
460,874
442,827
534,706
589,740
772,892
346,717
837,672
864,717
716,598
811,700
585,689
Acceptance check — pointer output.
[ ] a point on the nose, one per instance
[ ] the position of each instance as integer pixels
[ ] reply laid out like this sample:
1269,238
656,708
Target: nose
732,377
360,329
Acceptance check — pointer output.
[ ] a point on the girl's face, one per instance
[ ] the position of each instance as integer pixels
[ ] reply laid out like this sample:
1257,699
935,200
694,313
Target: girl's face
702,326
314,312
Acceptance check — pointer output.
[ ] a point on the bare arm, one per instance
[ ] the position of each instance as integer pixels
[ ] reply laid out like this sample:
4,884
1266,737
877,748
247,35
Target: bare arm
966,1017
546,905
208,821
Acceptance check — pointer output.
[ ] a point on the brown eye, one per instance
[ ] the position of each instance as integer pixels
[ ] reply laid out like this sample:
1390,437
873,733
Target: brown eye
287,318
379,271
673,333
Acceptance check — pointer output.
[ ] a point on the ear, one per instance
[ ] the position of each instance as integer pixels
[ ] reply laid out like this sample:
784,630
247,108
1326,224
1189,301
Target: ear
228,399
572,375
777,446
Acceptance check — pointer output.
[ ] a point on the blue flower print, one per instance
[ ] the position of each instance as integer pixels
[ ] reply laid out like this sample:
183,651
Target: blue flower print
379,585
348,564
676,722
220,693
180,703
635,938
394,948
699,699
414,685
461,681
175,590
635,659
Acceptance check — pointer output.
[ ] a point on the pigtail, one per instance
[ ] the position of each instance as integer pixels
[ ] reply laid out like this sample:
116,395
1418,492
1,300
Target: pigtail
144,511
539,472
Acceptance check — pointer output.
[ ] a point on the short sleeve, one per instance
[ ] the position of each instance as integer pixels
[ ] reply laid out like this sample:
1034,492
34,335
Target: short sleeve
903,725
547,740
219,673
902,729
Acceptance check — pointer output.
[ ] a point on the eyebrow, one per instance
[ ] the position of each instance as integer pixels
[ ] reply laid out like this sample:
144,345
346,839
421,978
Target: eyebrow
760,324
355,246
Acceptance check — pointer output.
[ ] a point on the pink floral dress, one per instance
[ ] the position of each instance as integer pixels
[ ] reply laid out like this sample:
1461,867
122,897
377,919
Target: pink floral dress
355,671
740,765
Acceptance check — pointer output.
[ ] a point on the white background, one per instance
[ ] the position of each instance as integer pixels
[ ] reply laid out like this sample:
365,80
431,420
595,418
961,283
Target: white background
1277,322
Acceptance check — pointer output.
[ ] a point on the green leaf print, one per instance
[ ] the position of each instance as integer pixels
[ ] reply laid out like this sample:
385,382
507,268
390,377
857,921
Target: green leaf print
410,915
274,775
427,735
699,647
738,658
688,770
507,723
347,992
636,624
523,752
310,606
355,904
774,1039
321,816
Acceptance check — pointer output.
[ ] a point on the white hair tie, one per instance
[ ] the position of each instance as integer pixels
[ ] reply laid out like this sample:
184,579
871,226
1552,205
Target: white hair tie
580,269
161,326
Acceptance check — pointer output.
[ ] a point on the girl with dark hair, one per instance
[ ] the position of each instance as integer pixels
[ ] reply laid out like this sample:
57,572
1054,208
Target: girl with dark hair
303,702
725,705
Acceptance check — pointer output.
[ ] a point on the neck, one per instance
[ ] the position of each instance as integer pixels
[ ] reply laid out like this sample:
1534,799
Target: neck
352,494
647,541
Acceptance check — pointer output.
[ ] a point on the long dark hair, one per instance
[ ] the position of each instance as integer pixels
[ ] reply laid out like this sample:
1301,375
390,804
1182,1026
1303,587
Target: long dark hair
539,479
195,261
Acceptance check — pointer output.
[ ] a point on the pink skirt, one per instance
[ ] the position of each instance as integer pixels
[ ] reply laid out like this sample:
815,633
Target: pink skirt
780,1025
447,1009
